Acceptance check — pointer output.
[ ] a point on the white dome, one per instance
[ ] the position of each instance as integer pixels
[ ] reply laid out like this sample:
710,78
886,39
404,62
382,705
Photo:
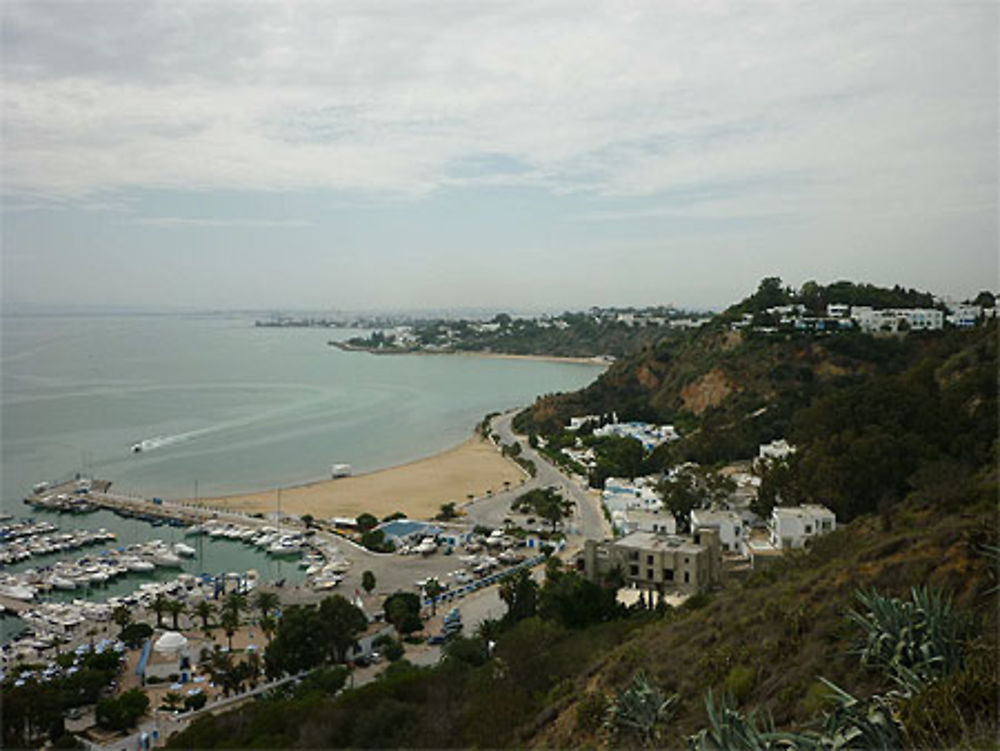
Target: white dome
171,641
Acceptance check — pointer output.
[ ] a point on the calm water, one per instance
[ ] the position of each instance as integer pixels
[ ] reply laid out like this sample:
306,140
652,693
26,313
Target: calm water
241,408
215,557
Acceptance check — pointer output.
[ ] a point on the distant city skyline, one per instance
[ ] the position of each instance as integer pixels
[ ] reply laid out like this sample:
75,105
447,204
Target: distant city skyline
516,156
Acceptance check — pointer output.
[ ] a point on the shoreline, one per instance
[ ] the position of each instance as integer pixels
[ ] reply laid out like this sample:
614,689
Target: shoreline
416,488
596,360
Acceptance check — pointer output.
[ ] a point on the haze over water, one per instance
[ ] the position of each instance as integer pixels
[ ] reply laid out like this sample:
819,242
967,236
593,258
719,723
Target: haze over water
242,408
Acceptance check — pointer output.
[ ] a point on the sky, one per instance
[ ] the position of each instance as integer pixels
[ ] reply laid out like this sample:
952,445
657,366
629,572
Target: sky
536,155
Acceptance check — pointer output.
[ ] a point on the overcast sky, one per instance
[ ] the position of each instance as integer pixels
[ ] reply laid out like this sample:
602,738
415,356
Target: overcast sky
380,154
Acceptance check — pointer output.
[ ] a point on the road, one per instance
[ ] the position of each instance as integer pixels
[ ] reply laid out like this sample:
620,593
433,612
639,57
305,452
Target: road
588,520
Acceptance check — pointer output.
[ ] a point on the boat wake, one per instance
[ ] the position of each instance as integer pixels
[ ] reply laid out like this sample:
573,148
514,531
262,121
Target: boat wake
157,442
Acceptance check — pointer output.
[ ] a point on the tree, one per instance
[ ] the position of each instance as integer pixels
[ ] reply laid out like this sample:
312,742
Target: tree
268,624
172,701
159,607
693,488
308,520
341,622
520,593
122,617
368,582
122,712
204,609
433,590
267,602
402,610
230,622
236,603
176,609
366,522
135,634
447,512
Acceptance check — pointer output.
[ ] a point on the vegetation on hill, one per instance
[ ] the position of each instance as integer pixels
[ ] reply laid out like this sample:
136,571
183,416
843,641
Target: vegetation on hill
883,634
590,334
764,642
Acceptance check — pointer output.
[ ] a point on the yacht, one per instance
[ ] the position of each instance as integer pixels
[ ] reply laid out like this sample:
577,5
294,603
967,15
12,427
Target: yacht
184,550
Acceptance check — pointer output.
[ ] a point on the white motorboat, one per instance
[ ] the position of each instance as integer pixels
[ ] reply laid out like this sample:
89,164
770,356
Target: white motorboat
62,582
138,565
17,591
184,550
427,546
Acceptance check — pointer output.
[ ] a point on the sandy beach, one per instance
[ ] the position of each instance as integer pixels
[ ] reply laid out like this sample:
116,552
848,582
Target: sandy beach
417,489
593,361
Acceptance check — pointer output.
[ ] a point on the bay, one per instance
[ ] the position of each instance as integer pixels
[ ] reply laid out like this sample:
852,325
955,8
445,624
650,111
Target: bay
237,407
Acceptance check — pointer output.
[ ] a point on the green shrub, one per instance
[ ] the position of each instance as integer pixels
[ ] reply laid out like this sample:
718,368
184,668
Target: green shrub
740,683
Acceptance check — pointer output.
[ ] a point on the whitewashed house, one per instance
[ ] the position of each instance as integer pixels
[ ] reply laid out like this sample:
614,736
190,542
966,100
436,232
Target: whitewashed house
794,526
657,520
776,449
733,527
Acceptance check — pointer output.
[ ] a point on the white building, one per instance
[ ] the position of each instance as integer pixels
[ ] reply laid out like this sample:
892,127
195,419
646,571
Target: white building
657,520
170,655
733,527
575,423
838,310
794,526
890,319
776,449
649,435
964,316
622,495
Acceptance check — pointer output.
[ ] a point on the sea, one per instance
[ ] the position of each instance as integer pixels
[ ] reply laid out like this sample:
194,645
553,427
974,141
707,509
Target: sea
229,407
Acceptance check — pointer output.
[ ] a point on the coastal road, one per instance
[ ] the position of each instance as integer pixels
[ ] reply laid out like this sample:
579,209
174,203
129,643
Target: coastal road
588,520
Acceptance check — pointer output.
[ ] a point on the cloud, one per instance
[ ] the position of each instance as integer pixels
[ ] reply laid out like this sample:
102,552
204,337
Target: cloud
867,102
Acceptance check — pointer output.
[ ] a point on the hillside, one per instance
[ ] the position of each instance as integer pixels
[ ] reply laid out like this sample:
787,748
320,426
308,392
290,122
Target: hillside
765,640
898,435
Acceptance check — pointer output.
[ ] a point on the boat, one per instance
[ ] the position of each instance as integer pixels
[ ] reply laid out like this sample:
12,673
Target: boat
62,582
427,546
284,546
163,557
17,591
138,565
184,550
341,470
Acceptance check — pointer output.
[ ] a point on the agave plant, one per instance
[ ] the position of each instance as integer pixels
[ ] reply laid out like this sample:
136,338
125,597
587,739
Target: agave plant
914,641
639,711
861,724
731,730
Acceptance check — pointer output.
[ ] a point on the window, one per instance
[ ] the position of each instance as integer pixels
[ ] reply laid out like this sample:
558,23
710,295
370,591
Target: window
687,577
633,571
649,560
668,574
809,529
649,573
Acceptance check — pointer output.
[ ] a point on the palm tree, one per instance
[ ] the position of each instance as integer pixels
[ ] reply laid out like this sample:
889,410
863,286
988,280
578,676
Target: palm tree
268,625
122,617
204,610
230,621
236,603
172,701
433,589
159,606
175,608
266,602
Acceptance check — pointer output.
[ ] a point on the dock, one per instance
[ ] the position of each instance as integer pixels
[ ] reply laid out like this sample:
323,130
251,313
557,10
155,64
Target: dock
16,607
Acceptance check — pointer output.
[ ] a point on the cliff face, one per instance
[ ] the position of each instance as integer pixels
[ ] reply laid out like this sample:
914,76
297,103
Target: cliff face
715,373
